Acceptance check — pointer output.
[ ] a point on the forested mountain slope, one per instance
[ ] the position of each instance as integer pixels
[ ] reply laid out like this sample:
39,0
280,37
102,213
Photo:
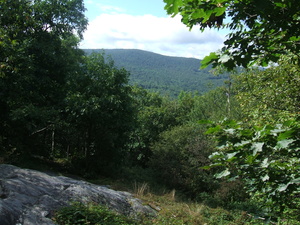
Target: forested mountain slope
165,74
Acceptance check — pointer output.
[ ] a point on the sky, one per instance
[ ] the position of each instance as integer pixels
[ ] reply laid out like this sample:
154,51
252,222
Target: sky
144,24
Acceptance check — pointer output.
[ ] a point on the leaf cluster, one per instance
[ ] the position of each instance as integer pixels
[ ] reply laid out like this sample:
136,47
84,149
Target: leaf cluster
260,31
267,158
271,94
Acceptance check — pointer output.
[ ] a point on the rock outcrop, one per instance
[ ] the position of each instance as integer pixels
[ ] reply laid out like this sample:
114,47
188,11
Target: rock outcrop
30,197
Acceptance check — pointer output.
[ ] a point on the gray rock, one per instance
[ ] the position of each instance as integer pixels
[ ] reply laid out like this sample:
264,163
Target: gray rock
31,197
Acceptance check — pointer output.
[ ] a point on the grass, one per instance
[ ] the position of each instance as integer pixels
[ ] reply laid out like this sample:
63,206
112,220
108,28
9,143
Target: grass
173,209
170,212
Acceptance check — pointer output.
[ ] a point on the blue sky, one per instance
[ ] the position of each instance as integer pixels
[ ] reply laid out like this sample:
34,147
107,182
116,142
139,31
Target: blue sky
144,24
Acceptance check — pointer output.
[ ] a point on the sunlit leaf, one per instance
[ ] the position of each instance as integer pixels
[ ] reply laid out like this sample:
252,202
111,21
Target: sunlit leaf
265,178
213,129
282,187
224,58
265,163
222,174
257,147
230,156
284,143
208,59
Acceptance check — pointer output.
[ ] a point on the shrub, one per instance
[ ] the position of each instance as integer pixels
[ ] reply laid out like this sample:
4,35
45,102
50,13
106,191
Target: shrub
266,158
178,157
81,214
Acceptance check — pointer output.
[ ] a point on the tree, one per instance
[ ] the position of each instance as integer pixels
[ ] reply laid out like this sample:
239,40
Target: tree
38,49
261,31
265,156
270,95
154,115
99,111
178,156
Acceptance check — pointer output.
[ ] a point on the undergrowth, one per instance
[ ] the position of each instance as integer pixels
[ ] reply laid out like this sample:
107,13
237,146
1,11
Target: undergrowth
81,214
170,211
173,208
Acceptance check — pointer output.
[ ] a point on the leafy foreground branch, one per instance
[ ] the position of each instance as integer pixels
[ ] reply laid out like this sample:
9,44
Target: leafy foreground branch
266,158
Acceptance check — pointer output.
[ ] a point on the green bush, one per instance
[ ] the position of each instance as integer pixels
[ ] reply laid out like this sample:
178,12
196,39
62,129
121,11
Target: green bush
178,157
81,214
265,158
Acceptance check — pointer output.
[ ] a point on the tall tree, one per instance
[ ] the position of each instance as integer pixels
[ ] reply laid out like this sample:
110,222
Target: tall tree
99,110
260,30
38,48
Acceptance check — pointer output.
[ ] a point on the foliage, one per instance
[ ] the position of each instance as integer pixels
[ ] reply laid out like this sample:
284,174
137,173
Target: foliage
266,158
164,74
27,25
178,157
55,102
155,114
99,112
175,213
216,104
38,49
261,31
79,213
269,95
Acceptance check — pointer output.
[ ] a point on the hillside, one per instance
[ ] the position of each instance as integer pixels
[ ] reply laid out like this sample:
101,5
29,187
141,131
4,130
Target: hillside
165,74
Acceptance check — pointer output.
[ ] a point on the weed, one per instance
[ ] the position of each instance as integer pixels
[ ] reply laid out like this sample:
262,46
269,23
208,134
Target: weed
140,189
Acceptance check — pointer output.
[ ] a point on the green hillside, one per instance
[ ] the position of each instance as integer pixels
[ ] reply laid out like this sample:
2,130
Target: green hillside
165,74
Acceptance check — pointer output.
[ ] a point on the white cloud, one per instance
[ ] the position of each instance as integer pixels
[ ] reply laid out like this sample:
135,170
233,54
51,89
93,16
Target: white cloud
167,36
109,8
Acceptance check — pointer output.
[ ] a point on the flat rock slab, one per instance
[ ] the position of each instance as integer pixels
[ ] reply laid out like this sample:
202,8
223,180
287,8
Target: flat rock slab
31,197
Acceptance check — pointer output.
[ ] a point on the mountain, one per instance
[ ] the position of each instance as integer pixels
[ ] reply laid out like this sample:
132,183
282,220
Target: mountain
165,74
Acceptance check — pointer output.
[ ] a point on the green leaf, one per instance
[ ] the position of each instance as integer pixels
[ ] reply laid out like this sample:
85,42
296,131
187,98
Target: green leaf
284,143
295,181
224,58
222,174
230,131
265,178
205,122
172,6
215,129
279,4
199,13
209,59
216,155
265,163
282,187
257,147
231,123
220,11
230,156
206,167
286,135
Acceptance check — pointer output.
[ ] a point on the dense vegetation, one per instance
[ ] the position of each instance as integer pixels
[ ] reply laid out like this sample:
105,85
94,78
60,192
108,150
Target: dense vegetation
79,114
164,74
259,31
